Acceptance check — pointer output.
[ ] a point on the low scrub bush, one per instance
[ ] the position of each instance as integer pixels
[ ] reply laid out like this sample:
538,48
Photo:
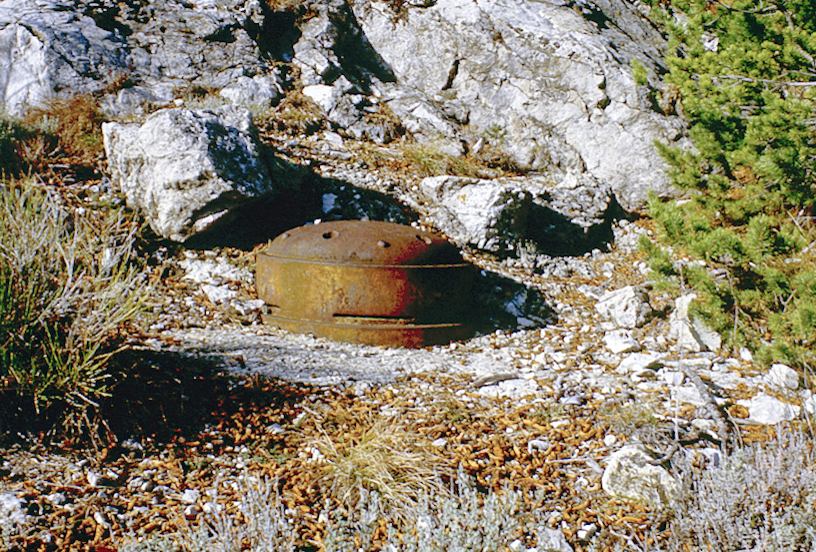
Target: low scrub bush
757,498
464,520
745,73
67,290
259,523
74,124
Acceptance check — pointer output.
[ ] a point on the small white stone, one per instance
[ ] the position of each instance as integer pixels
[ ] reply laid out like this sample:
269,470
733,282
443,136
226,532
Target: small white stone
360,388
703,424
637,362
537,444
610,440
745,354
209,508
691,333
190,496
783,376
688,394
810,406
765,409
672,378
629,474
191,512
552,540
586,531
620,341
439,443
628,307
99,518
323,95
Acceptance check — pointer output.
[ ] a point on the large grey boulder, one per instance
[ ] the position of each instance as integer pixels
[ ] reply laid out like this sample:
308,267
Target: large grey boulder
186,169
47,50
490,215
548,82
497,214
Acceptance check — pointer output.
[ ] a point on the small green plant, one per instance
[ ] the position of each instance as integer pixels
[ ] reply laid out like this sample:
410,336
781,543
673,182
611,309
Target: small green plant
495,135
639,72
67,289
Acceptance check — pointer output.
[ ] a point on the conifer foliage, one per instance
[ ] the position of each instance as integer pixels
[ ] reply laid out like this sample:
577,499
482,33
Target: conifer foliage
746,73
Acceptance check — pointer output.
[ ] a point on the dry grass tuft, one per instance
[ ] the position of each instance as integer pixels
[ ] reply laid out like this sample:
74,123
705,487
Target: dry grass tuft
383,458
76,123
429,160
296,114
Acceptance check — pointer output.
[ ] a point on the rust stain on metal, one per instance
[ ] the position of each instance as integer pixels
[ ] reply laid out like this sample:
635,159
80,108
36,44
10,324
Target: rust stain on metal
368,282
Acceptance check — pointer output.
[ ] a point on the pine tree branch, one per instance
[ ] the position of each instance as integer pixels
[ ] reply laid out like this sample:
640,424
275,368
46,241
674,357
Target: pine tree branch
741,78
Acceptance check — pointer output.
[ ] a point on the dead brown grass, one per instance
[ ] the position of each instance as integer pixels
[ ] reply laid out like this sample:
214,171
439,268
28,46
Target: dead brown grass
75,123
429,160
296,114
382,457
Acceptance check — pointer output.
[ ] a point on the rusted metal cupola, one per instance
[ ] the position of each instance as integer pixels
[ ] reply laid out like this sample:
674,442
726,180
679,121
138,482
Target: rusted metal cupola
368,282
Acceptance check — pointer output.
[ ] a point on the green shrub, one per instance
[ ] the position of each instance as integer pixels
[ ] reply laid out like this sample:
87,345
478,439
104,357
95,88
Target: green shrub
747,82
67,288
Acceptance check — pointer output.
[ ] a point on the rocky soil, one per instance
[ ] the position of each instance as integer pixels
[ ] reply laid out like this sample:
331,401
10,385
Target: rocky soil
542,403
586,389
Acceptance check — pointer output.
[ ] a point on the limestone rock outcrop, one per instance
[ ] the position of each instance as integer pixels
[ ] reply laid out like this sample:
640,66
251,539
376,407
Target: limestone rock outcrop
52,48
186,169
46,51
548,82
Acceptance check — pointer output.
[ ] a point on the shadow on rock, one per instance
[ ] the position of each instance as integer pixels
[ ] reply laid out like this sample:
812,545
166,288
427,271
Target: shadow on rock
316,198
554,234
504,304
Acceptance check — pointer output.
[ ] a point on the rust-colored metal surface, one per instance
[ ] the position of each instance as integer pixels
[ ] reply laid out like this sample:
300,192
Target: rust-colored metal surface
375,283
